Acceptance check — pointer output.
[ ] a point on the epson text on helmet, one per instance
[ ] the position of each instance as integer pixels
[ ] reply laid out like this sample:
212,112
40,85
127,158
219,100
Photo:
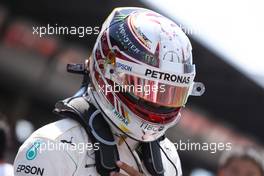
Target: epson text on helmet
123,66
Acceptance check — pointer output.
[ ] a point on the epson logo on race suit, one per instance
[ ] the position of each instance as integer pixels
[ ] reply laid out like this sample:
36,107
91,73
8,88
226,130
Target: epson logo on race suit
27,169
123,66
167,76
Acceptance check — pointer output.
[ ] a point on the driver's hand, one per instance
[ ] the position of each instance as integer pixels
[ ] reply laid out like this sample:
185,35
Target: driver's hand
128,169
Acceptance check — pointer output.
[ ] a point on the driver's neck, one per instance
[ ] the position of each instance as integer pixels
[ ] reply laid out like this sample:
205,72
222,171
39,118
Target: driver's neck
119,138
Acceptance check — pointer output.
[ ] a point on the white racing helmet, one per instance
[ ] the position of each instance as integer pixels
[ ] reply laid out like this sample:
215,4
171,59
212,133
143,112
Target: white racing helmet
142,72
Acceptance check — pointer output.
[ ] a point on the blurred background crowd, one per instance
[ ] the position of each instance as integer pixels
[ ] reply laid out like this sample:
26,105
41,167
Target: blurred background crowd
228,58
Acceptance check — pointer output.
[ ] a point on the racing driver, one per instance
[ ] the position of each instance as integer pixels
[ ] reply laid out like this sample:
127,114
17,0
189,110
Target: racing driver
138,77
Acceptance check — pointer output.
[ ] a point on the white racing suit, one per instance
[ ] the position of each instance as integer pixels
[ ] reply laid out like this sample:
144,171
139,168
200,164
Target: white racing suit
63,148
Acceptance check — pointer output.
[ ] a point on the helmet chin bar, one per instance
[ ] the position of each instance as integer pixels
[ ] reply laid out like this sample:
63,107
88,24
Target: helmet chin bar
113,125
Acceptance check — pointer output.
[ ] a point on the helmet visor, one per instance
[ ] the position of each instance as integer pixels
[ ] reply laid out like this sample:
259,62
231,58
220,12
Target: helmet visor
150,84
148,111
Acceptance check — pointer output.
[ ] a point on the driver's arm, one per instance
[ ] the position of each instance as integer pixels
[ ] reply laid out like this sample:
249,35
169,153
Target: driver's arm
36,158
